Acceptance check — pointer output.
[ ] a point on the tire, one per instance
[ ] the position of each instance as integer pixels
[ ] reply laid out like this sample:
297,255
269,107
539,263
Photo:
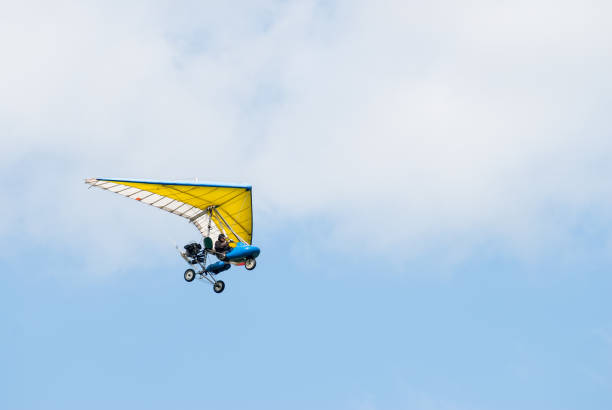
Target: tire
189,275
250,264
219,286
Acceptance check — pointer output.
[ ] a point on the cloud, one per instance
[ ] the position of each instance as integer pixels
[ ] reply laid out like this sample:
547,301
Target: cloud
426,124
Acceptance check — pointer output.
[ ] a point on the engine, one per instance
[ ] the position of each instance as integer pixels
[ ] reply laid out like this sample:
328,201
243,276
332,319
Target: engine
193,249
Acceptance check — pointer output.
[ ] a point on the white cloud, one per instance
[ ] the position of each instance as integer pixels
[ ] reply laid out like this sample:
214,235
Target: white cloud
453,122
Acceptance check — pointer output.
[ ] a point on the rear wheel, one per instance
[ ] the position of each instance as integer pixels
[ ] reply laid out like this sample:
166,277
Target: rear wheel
219,286
189,275
250,264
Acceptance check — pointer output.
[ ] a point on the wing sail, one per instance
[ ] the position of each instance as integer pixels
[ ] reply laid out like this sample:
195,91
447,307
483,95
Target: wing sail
191,200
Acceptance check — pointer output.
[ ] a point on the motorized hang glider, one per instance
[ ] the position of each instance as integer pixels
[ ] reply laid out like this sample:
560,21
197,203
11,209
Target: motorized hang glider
214,209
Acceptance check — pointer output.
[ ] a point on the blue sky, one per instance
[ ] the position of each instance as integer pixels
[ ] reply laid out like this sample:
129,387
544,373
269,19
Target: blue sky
431,196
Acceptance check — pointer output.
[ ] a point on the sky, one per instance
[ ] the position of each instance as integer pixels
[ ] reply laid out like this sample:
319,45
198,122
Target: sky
430,190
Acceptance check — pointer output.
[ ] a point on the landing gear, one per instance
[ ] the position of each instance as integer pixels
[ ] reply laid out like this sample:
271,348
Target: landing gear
189,275
250,264
200,259
219,286
196,258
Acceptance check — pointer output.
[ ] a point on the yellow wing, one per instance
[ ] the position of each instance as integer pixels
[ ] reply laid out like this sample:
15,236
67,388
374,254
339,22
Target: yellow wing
211,207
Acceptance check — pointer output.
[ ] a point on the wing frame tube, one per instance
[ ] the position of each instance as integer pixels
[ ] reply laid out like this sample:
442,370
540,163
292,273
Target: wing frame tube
228,225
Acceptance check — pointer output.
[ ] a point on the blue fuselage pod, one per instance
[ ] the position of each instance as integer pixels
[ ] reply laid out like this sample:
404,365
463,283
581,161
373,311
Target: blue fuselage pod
242,252
217,267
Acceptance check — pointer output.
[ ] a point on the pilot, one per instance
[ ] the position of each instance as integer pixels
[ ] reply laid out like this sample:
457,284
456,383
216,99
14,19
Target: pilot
222,244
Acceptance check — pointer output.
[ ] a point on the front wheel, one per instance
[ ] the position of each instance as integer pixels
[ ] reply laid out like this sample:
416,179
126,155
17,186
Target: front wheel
189,275
219,286
250,264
